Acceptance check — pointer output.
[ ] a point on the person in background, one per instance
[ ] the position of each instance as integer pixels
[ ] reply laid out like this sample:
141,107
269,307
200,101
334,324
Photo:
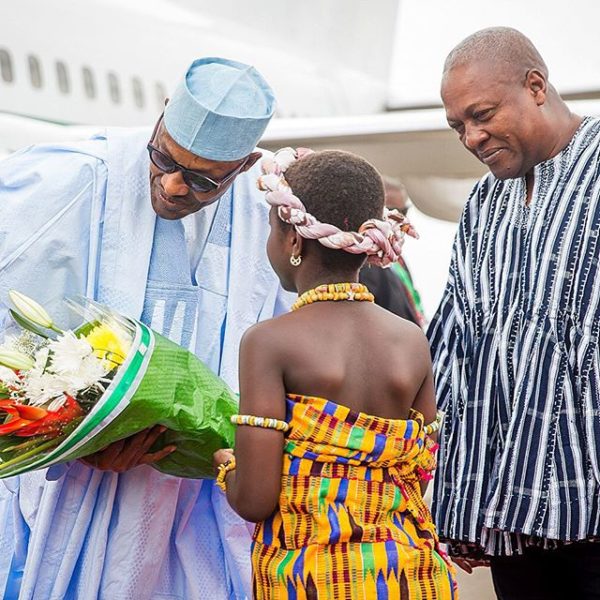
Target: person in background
339,416
393,288
162,226
515,341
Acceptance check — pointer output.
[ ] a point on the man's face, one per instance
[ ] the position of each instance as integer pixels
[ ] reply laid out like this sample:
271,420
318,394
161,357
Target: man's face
171,197
496,116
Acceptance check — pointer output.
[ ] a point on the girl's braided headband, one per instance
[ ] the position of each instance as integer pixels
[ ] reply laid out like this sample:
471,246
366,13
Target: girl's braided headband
380,239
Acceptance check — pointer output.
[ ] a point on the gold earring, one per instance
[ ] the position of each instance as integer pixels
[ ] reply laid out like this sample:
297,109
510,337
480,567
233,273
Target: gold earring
295,260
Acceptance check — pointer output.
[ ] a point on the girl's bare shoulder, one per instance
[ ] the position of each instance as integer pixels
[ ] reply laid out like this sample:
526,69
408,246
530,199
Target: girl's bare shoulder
267,334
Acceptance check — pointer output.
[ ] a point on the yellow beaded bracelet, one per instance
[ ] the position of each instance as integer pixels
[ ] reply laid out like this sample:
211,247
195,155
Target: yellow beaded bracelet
435,425
266,422
223,469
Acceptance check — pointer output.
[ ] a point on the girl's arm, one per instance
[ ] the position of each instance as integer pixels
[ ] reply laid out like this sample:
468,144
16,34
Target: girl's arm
425,401
254,486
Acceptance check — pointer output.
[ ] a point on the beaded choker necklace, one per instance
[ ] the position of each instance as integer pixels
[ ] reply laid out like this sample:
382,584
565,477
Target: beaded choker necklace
335,292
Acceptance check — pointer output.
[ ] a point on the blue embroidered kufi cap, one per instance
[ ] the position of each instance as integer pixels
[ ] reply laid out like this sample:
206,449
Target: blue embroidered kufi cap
220,110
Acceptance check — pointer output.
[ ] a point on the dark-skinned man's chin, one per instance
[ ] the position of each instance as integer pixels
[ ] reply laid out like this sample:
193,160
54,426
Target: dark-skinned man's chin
172,208
505,171
168,211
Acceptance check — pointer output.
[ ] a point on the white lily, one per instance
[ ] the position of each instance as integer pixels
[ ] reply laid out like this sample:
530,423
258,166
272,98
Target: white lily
15,360
31,310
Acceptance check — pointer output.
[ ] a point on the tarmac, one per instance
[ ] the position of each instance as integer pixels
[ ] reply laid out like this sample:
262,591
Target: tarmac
476,586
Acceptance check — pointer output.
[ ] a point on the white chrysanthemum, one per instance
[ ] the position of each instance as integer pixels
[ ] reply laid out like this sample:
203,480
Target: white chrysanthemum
57,403
90,372
41,388
68,353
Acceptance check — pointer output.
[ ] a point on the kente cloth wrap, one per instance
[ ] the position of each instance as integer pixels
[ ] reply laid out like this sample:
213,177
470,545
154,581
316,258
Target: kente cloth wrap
351,522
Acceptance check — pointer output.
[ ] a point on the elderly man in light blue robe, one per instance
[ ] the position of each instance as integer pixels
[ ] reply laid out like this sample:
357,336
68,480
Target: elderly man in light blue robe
184,250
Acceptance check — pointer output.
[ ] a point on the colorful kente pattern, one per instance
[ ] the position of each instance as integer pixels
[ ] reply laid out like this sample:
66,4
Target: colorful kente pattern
351,522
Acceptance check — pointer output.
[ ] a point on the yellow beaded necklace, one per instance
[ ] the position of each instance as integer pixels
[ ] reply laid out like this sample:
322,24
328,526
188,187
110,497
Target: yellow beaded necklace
335,292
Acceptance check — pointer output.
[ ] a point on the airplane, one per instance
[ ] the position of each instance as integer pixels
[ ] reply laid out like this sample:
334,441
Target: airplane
79,66
61,79
105,62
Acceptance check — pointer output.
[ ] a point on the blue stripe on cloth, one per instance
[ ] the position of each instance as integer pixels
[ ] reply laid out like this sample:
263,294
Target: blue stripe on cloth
268,532
294,467
298,568
342,491
334,525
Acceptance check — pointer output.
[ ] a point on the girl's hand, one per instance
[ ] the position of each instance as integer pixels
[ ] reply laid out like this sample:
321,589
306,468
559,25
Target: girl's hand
222,456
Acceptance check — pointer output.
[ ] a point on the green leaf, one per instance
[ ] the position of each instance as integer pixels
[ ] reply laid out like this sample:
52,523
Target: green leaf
27,324
26,444
84,329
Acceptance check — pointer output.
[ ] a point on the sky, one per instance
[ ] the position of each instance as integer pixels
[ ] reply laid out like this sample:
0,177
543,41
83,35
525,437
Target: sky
565,33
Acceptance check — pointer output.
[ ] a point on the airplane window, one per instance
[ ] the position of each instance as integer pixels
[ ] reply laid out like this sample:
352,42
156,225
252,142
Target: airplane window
138,92
35,71
113,88
6,65
89,85
161,95
62,76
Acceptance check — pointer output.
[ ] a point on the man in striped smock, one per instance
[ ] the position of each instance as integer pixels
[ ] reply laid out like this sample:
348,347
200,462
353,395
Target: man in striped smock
515,340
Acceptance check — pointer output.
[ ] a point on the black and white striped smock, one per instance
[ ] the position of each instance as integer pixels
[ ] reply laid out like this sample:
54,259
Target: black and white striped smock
516,352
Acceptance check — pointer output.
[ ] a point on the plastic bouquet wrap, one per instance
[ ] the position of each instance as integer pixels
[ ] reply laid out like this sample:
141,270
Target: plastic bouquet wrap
68,394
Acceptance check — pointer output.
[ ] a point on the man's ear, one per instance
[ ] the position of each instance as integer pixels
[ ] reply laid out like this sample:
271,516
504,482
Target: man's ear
252,158
537,84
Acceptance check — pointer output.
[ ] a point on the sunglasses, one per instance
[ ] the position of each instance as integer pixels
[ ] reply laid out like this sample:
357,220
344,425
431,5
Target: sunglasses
195,180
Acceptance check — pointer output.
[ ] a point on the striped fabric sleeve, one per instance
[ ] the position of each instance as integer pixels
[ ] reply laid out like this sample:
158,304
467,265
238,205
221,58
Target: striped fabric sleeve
446,329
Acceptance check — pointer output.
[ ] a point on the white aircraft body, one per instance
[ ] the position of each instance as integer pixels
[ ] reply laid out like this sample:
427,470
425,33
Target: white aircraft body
68,68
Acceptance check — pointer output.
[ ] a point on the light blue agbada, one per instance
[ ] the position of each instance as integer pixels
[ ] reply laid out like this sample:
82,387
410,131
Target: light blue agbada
75,532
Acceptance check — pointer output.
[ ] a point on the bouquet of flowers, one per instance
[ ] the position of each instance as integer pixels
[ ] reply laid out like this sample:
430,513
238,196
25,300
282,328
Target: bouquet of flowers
68,394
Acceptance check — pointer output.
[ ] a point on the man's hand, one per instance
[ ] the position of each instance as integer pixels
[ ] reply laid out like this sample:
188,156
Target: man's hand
130,452
468,564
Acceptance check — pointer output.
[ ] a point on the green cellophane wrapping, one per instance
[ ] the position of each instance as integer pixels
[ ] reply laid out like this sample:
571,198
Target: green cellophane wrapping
181,393
174,389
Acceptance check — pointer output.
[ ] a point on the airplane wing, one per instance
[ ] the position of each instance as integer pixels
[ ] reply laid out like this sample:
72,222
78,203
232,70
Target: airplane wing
415,146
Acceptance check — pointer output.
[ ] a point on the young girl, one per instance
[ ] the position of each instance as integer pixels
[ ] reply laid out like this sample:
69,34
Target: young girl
337,402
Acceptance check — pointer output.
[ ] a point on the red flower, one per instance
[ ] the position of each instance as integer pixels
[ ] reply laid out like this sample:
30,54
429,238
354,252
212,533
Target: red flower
31,420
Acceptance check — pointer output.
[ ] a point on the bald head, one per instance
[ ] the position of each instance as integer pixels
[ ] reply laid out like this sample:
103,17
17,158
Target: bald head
508,50
497,98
